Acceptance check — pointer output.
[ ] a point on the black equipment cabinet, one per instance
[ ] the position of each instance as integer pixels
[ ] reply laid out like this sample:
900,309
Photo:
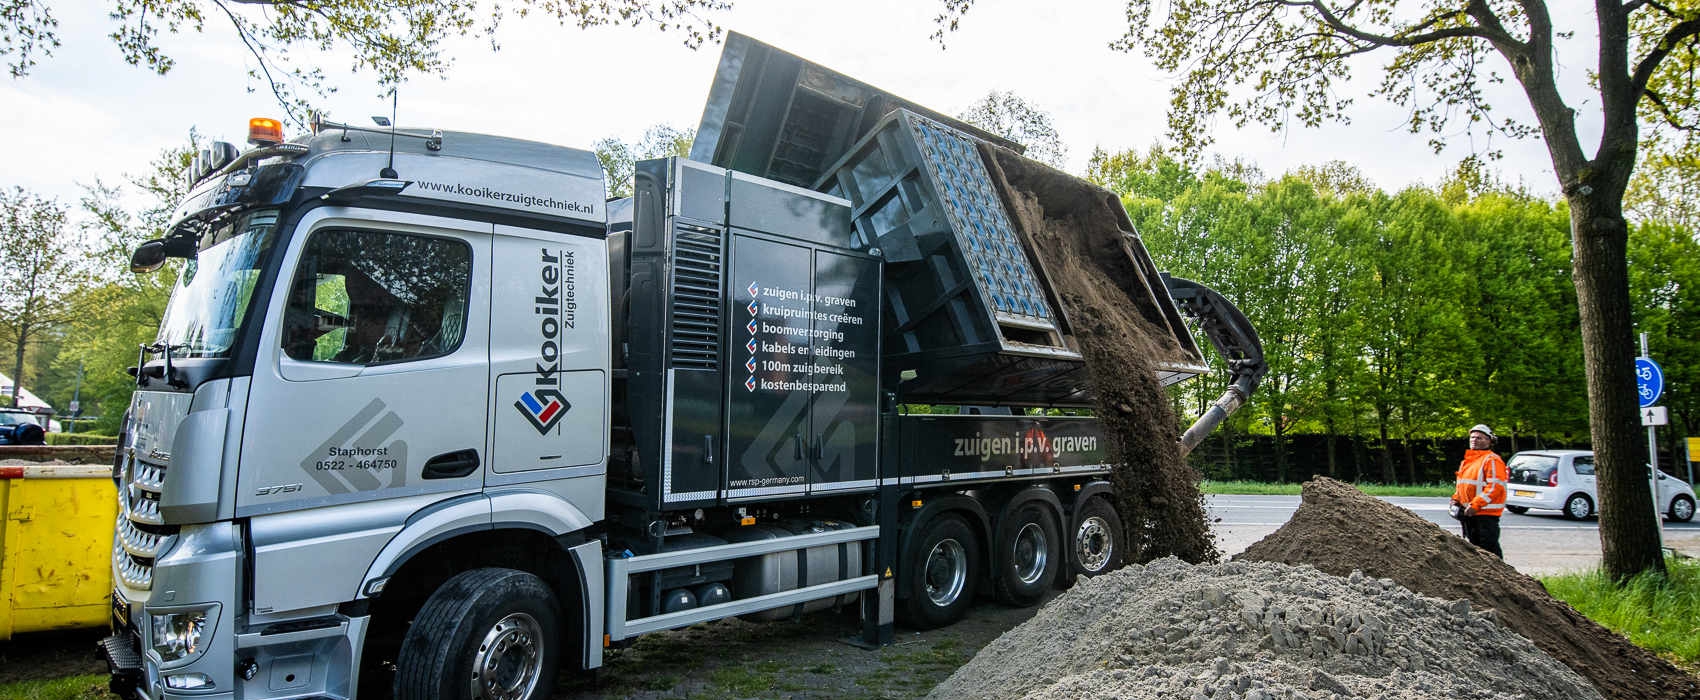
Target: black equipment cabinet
752,341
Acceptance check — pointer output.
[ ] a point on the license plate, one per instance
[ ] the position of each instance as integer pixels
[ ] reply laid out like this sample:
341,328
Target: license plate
120,610
1530,494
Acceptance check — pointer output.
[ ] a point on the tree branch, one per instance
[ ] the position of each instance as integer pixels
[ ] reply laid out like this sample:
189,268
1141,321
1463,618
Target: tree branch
1670,115
1630,8
1644,70
259,57
1334,21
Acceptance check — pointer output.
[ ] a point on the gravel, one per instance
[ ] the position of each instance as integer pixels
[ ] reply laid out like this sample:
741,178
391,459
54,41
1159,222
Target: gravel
1258,631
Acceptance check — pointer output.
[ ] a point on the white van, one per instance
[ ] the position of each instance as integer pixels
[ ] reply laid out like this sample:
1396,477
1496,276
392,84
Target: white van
1563,480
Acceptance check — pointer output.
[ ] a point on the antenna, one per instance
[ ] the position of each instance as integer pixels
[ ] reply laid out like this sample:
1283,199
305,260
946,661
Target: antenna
389,170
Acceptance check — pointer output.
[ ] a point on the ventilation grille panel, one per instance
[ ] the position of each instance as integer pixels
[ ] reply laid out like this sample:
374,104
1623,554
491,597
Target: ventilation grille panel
698,269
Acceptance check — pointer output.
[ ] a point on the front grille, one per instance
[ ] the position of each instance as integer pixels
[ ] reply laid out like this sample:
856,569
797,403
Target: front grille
697,273
140,534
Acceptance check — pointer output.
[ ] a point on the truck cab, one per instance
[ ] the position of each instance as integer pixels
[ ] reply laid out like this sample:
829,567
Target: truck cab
351,368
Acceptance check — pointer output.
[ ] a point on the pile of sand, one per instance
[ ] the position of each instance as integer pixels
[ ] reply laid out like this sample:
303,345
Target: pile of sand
1258,631
1339,529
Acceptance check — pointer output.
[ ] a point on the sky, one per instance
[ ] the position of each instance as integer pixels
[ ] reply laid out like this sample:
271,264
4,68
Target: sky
84,114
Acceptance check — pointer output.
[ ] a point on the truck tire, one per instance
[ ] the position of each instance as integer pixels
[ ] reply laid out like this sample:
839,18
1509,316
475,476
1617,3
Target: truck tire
944,562
1097,545
491,634
1026,554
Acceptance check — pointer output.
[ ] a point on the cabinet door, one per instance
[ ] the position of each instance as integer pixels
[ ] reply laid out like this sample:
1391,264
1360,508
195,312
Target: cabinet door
767,377
844,367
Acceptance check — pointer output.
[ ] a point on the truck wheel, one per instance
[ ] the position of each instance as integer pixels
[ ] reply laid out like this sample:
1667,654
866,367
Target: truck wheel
942,564
1578,507
1681,509
1096,547
1027,555
491,634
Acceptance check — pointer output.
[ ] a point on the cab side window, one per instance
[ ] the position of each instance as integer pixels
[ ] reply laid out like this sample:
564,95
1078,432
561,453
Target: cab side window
1584,465
371,297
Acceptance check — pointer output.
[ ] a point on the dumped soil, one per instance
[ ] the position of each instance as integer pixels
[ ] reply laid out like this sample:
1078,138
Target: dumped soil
1071,225
1258,631
1339,529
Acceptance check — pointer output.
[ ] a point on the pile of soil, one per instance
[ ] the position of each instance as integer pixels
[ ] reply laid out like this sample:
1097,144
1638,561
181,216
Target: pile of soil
1339,529
1258,631
1072,227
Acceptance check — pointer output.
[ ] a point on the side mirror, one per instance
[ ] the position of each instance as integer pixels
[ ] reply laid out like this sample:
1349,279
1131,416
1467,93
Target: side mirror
148,257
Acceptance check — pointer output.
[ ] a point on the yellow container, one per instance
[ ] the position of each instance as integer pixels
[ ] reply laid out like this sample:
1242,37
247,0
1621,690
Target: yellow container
55,547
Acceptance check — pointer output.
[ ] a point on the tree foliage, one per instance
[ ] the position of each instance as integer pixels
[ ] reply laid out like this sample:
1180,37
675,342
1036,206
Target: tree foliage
1391,318
40,264
619,158
1008,115
392,39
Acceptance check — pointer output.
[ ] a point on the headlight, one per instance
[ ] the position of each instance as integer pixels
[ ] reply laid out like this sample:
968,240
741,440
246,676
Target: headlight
178,634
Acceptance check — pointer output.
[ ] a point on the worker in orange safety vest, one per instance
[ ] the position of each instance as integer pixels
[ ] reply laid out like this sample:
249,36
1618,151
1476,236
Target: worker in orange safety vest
1479,498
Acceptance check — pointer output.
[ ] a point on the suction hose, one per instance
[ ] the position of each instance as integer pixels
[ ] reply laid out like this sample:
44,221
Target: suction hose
1234,338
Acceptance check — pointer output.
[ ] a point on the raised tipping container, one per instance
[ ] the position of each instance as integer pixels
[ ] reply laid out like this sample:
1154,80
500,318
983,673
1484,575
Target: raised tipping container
970,316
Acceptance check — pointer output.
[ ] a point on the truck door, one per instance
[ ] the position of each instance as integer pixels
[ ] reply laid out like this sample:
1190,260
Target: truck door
549,360
371,377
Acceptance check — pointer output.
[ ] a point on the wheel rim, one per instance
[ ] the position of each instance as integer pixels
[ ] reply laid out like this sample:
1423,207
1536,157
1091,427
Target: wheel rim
1093,544
1579,507
1032,553
1682,509
509,662
946,572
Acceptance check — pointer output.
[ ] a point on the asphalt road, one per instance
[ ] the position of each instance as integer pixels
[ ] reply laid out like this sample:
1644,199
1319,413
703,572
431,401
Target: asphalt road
1539,542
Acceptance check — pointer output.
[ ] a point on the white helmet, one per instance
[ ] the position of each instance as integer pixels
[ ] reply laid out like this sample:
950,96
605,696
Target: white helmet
1483,429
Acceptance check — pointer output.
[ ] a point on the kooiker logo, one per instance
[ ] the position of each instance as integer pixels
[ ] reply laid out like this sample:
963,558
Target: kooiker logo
543,407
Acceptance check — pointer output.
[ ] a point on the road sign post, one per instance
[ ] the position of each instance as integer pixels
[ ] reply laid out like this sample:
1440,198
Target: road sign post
1649,385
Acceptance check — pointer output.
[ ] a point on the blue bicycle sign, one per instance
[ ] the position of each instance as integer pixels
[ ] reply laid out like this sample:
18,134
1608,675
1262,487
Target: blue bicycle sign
1649,380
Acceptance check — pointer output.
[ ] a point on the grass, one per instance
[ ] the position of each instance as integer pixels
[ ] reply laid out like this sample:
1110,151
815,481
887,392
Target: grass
745,681
1258,488
91,687
1657,613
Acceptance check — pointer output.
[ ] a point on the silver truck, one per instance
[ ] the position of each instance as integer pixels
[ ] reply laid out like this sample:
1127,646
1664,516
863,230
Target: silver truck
427,416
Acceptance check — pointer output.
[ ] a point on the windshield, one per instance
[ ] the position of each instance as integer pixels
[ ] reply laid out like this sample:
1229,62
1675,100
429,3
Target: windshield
211,295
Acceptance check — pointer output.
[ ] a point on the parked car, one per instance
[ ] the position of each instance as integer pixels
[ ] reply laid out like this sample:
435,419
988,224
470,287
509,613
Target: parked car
1563,480
22,427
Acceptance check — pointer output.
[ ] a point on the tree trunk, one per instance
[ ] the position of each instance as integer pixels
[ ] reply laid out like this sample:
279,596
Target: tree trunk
1387,475
1411,460
1628,533
1357,456
1333,464
18,365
